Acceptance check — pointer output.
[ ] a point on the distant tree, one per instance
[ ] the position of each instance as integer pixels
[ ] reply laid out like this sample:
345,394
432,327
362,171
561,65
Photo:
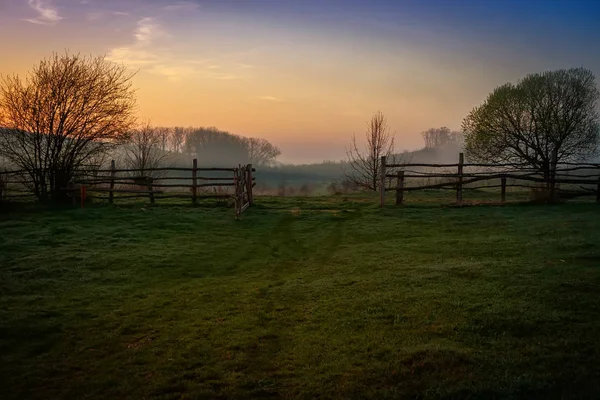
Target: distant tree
544,119
214,147
67,109
364,165
436,138
177,138
261,152
164,137
219,148
145,150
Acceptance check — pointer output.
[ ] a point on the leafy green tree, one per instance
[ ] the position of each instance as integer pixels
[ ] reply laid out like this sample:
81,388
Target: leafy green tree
544,119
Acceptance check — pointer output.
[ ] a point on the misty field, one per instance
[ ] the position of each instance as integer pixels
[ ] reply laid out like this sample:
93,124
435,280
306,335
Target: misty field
325,297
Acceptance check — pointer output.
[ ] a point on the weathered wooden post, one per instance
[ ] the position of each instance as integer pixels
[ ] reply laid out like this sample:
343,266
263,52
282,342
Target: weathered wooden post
503,190
382,183
82,195
150,191
400,188
553,164
249,184
194,181
112,181
236,184
461,161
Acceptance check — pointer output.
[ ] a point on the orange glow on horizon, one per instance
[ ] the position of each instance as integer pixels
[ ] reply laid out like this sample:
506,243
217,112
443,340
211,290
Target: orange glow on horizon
289,83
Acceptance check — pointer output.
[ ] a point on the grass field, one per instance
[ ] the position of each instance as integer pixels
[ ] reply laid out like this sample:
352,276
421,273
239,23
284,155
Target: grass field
326,297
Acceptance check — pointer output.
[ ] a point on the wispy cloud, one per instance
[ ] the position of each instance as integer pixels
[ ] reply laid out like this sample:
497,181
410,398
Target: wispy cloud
150,51
133,56
148,31
270,98
47,13
182,6
98,15
223,77
173,72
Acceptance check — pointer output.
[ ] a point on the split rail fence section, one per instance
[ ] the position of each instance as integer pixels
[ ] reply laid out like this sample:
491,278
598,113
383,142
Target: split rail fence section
155,183
566,180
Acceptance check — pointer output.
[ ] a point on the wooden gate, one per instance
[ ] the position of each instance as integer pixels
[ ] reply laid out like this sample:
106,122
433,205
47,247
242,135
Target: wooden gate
243,183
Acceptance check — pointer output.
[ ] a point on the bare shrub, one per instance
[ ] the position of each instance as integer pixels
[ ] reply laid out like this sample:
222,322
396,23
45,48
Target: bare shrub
345,186
334,188
281,189
305,190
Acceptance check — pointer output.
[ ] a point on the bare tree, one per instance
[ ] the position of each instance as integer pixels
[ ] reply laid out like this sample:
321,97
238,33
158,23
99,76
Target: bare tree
542,120
164,135
364,166
144,151
220,148
178,138
67,109
436,138
261,152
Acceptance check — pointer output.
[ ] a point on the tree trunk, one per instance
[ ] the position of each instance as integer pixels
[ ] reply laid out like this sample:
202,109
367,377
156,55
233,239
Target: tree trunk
546,170
58,183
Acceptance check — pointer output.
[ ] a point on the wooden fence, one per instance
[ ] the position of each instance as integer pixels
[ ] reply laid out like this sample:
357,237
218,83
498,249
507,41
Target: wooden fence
111,184
567,180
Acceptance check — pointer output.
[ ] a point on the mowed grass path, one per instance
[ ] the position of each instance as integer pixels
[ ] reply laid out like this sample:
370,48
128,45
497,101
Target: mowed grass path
303,298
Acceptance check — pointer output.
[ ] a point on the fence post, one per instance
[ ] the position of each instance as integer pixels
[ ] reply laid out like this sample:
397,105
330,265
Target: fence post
503,189
236,186
151,195
382,183
194,181
112,181
249,184
598,191
553,162
461,161
82,195
400,188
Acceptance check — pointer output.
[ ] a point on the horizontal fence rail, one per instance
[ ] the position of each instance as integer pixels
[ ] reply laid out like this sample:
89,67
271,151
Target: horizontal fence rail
153,183
566,179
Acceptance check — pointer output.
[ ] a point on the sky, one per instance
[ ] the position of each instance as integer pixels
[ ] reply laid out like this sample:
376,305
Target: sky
308,74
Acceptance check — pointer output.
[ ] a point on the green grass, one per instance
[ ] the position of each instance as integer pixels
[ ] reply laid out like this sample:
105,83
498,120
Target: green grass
326,297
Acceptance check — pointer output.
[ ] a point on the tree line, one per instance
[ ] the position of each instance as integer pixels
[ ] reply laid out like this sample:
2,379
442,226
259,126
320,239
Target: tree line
149,147
72,111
